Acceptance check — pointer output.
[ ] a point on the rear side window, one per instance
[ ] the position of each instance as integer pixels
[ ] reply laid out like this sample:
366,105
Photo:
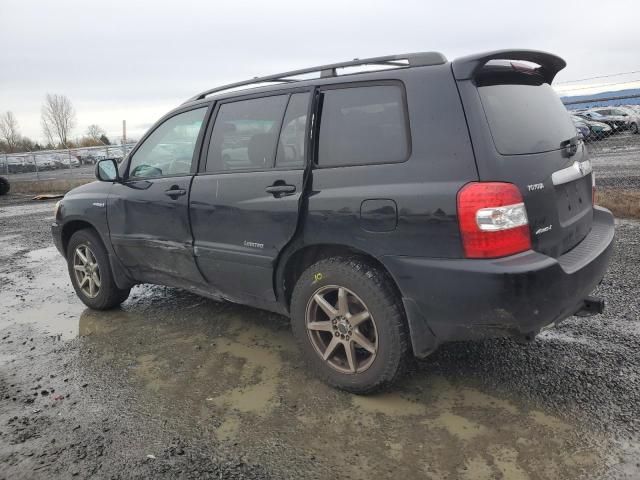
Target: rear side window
245,134
525,118
363,125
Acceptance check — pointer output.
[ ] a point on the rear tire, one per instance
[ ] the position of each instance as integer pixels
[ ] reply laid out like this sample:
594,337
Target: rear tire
5,186
350,324
633,127
90,272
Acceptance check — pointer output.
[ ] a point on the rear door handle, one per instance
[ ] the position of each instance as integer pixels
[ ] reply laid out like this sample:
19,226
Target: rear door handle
280,190
175,192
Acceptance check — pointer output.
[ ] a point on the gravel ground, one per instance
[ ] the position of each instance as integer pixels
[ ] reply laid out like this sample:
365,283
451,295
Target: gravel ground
177,386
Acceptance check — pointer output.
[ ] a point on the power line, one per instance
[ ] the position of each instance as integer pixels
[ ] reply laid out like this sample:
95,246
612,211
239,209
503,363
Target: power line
600,100
591,87
599,76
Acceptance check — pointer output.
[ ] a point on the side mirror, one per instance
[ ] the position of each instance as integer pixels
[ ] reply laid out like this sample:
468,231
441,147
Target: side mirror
107,170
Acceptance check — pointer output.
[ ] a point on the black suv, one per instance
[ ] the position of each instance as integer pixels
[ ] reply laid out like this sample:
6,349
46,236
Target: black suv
385,211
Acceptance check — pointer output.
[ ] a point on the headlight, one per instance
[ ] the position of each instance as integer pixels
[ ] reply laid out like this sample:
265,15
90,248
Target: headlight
56,208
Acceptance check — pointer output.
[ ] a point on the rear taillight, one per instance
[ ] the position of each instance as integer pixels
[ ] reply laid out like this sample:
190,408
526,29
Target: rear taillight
493,220
593,188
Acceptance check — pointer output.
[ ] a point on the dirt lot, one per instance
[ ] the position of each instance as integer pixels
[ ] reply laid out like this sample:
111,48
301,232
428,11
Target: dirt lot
177,386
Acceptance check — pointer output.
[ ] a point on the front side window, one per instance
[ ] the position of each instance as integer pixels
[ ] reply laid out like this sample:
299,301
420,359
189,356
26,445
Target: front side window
363,125
169,149
245,134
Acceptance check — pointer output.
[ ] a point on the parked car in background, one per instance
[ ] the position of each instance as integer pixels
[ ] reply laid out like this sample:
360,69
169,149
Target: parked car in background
64,160
581,126
416,208
85,157
598,130
45,162
112,152
635,108
596,117
116,153
633,116
616,119
59,159
17,164
98,155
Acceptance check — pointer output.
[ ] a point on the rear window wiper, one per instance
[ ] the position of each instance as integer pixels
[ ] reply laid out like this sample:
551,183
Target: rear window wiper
570,147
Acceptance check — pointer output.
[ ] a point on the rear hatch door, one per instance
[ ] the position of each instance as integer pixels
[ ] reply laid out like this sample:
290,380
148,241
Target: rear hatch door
522,134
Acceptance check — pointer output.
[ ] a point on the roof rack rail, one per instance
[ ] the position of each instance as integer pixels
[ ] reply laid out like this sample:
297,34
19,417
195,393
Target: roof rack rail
420,59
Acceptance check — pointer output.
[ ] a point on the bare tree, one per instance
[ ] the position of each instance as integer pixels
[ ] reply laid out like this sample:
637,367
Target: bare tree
9,131
95,132
58,118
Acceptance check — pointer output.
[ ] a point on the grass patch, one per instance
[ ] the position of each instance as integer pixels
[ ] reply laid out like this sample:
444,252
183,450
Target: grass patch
622,203
48,186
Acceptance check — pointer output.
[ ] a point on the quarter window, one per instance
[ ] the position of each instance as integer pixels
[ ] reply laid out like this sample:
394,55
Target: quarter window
292,142
245,134
363,125
169,149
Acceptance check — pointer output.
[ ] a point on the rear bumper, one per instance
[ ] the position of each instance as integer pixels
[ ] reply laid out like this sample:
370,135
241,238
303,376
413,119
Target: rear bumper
461,299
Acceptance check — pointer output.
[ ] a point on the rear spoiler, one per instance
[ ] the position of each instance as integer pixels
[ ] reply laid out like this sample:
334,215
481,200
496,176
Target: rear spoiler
466,68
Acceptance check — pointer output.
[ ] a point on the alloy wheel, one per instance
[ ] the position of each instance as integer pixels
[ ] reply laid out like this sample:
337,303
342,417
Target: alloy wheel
341,329
87,271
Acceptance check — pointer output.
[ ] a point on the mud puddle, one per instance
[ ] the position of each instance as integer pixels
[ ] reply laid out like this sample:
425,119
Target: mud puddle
235,373
40,293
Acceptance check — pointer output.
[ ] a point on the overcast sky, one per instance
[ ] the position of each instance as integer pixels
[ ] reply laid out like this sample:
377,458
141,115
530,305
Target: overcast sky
136,60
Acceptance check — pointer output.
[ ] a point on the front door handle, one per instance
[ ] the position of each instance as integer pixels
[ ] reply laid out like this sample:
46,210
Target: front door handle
281,189
175,192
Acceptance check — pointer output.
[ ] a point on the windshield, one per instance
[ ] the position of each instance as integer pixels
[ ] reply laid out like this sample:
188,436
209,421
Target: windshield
526,118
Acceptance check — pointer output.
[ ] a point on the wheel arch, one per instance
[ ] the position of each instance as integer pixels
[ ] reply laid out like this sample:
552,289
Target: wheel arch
298,259
121,275
73,226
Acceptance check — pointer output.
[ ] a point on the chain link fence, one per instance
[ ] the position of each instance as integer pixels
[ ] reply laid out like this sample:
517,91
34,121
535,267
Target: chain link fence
54,164
608,129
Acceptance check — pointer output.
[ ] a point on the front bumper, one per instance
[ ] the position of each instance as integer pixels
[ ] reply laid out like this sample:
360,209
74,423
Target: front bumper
462,299
56,233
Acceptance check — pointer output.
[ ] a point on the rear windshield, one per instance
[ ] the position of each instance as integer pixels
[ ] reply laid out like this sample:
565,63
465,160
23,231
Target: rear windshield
525,118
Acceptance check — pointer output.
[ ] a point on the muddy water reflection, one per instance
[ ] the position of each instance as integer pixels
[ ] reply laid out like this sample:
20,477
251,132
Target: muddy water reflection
236,373
38,291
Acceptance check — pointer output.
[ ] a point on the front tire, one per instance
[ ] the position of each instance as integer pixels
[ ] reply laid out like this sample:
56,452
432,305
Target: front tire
90,272
350,324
